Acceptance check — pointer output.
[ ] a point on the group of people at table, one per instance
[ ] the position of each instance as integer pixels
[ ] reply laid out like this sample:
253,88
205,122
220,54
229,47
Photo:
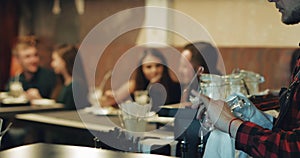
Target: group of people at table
39,82
281,141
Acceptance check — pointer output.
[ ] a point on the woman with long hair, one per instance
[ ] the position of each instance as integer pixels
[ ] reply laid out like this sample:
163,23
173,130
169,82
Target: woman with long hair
63,58
152,69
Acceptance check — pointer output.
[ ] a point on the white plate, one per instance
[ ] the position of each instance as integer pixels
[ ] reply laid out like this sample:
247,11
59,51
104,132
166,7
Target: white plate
43,102
4,95
102,111
11,100
96,110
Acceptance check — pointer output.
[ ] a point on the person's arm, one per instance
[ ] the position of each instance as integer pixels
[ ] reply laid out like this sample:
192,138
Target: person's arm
33,93
219,113
251,138
69,101
45,82
260,142
111,98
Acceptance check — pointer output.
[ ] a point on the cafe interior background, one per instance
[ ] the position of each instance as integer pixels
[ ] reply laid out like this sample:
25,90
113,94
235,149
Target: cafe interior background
249,34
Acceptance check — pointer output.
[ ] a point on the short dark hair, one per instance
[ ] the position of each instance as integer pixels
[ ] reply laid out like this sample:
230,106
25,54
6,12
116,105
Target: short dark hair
203,54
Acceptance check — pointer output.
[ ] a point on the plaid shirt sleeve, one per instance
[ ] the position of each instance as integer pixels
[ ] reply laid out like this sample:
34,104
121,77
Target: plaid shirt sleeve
259,142
282,142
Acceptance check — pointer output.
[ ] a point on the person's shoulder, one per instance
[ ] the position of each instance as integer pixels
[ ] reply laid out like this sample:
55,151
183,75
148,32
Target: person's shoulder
46,74
43,69
177,83
46,71
69,87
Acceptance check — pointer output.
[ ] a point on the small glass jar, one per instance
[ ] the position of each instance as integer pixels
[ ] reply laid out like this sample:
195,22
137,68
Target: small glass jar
234,83
16,89
252,80
212,86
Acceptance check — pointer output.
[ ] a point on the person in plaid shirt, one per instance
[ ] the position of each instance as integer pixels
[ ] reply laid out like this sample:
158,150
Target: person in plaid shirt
283,140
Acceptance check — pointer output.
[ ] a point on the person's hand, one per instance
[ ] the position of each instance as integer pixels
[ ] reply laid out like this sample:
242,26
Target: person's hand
33,93
107,99
155,79
218,112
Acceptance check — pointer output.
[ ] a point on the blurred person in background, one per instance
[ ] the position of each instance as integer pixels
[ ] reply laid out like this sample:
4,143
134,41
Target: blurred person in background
63,58
152,69
37,82
201,55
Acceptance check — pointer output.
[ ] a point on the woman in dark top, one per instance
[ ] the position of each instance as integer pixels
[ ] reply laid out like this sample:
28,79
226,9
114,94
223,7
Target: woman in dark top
152,69
62,62
142,81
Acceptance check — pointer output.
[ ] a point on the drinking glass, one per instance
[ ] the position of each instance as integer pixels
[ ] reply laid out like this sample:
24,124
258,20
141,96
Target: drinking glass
16,89
133,118
141,97
205,122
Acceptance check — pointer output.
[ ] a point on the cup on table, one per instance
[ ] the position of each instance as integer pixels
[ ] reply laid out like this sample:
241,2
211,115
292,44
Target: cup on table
141,97
133,116
133,123
15,89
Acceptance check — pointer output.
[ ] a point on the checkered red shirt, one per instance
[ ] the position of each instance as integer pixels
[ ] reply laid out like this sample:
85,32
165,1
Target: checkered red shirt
282,142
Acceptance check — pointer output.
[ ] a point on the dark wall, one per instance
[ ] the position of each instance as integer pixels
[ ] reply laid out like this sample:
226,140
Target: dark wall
8,31
68,26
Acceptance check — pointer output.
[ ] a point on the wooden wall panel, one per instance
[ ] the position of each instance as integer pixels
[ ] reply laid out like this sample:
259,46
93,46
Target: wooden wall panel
272,63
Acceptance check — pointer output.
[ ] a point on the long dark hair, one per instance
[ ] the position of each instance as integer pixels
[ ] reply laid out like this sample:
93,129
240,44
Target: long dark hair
68,54
141,82
75,68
